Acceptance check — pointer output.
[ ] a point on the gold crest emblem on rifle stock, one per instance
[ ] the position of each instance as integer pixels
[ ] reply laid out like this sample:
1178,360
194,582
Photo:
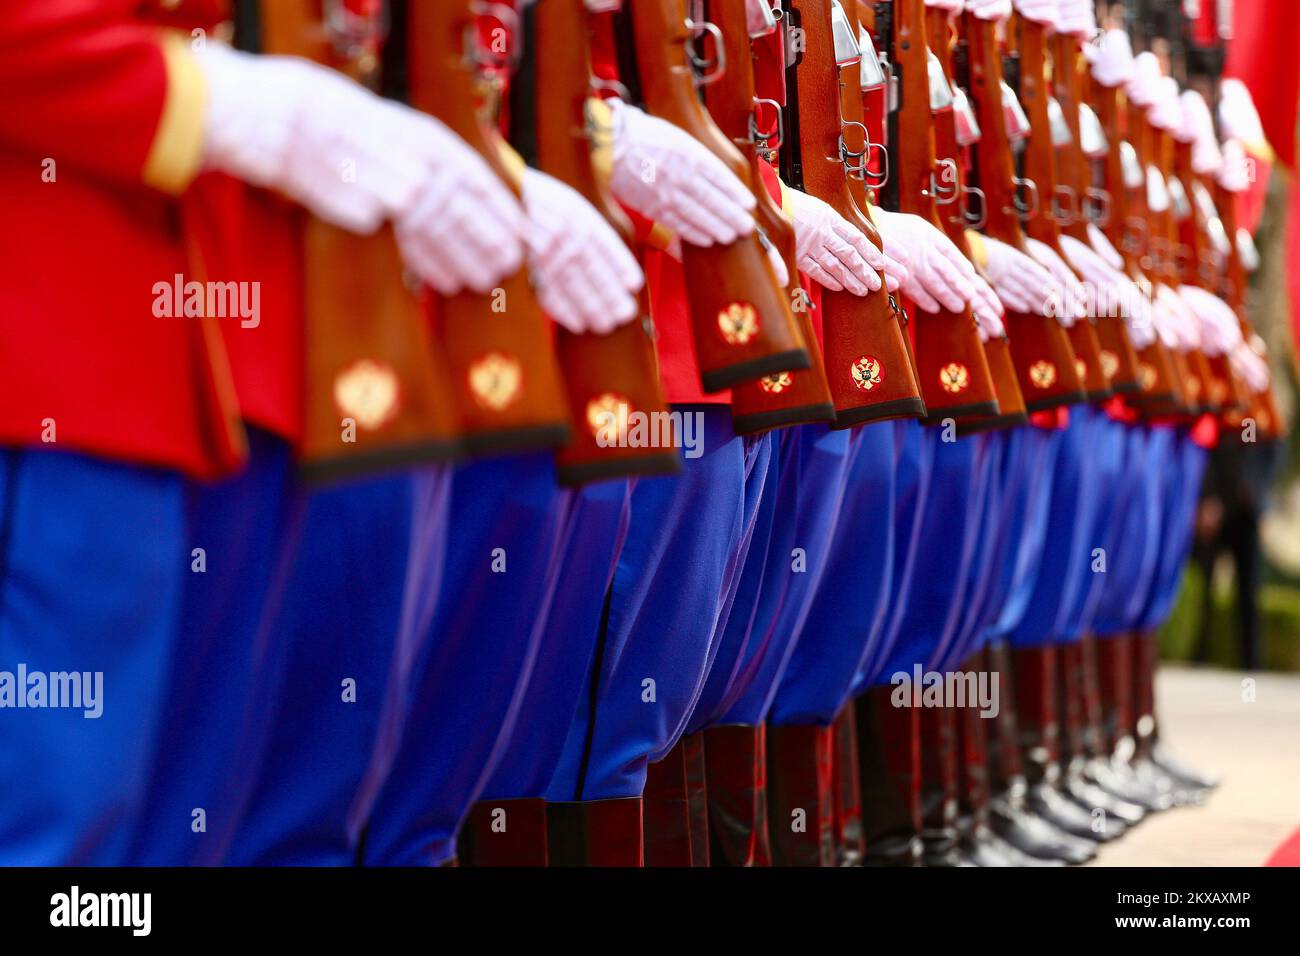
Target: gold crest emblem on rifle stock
607,414
369,392
1042,373
954,377
1109,363
738,323
867,373
777,382
496,381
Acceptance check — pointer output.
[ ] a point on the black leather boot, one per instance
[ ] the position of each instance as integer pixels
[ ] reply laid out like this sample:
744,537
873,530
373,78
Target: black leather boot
939,788
1080,742
1186,784
887,755
504,833
735,786
697,797
800,802
1116,772
1009,812
667,811
850,847
595,833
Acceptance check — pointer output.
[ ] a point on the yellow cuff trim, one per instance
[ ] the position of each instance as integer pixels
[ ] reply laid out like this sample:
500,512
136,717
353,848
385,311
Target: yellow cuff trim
785,200
601,118
978,251
512,162
661,237
177,148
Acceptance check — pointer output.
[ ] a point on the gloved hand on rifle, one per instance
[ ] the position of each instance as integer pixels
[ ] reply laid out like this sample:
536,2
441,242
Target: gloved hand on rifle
1112,290
1249,365
938,275
1069,299
988,310
585,277
1040,11
1077,17
1111,58
1021,283
666,175
989,9
356,160
1220,330
1198,129
832,251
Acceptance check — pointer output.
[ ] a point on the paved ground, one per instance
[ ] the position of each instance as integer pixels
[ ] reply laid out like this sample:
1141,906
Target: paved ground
1208,719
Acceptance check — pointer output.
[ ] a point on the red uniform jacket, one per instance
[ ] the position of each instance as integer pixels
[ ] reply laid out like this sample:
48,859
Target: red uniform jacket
100,132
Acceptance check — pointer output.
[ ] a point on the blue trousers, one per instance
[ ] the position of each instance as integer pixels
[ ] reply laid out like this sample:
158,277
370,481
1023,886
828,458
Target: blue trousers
947,548
1181,483
98,576
847,610
342,624
505,529
813,462
593,532
225,665
1067,547
1132,564
665,607
749,606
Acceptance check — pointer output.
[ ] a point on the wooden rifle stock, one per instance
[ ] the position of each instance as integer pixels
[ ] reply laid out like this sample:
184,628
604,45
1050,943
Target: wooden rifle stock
606,377
1263,405
499,346
950,359
1196,267
1045,360
1002,368
1118,357
1156,378
742,323
377,394
868,362
1040,167
788,397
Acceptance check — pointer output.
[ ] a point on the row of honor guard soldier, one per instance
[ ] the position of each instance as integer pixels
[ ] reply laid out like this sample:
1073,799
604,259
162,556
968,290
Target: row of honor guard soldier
944,298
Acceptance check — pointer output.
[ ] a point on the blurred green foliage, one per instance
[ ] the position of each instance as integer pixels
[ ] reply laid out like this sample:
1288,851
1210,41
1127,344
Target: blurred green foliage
1279,616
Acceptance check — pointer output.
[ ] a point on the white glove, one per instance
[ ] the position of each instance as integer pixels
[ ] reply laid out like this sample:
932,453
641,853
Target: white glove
953,6
989,9
1235,174
759,20
988,310
831,250
1220,330
1040,11
1250,367
1115,293
1167,111
1144,85
1198,129
1176,324
939,276
1069,300
1237,113
586,279
1020,282
1078,17
355,160
665,174
1102,246
1111,58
